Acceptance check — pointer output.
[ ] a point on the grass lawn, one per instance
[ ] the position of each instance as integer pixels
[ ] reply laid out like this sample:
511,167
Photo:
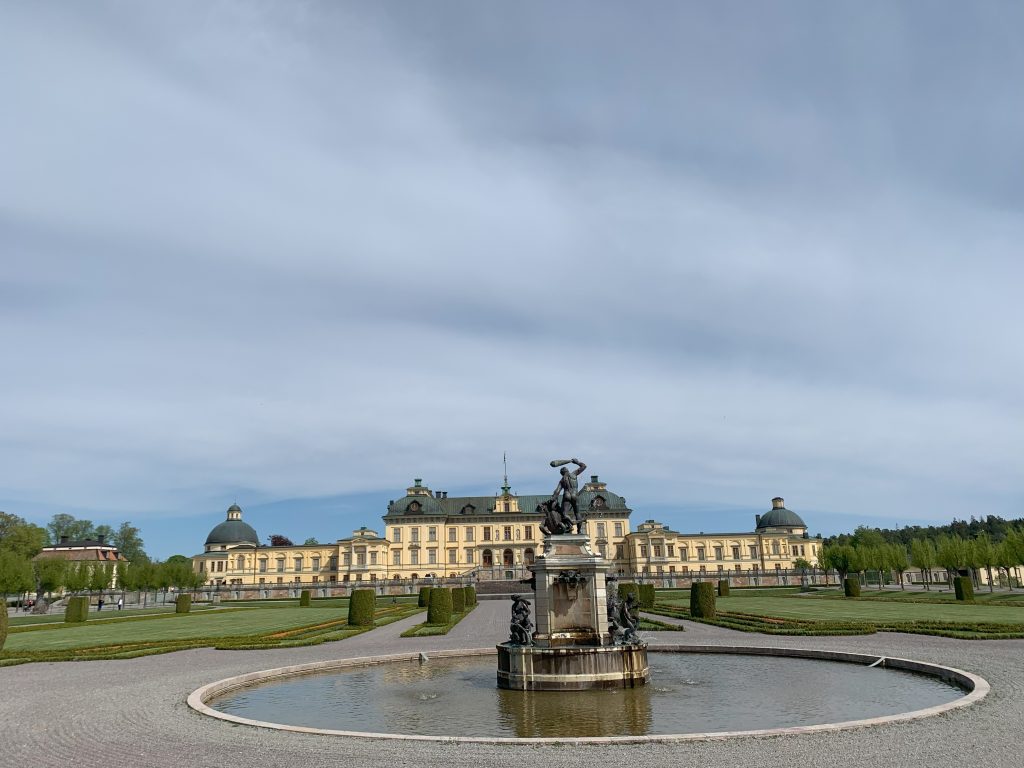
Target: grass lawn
58,618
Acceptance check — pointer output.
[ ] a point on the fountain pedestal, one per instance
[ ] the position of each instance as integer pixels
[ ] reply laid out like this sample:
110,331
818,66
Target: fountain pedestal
572,647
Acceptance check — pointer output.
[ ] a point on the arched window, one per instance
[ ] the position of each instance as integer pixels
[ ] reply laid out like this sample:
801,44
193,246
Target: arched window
528,556
241,562
488,558
507,559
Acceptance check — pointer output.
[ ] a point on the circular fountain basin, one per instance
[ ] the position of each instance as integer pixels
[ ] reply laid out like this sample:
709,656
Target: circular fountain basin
695,692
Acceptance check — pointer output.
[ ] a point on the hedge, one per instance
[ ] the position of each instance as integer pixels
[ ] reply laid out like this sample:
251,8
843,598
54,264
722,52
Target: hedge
424,600
627,587
77,610
458,600
470,595
360,607
702,600
304,598
723,588
964,589
440,609
183,603
851,586
646,596
3,627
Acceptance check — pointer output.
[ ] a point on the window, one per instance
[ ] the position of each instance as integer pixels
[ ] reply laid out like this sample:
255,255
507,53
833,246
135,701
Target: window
718,553
671,569
396,535
432,533
684,553
360,558
316,579
280,565
414,535
603,549
348,558
737,568
753,552
618,529
263,565
775,547
721,568
735,553
373,558
453,556
316,563
602,530
505,506
778,566
396,557
241,563
686,568
703,569
263,581
298,563
414,557
280,580
469,555
643,550
618,551
453,535
528,532
470,533
700,553
508,533
657,550
671,551
487,533
432,556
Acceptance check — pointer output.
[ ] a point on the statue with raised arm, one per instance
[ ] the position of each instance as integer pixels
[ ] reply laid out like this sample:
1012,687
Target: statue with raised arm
565,496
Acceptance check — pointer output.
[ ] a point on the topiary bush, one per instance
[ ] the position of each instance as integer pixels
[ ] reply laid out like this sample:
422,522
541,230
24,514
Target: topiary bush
440,609
702,600
646,595
470,595
626,588
723,587
304,599
964,589
3,627
77,610
183,603
360,607
424,600
458,600
851,586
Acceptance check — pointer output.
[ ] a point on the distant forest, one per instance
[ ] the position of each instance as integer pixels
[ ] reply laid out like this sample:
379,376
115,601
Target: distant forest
996,527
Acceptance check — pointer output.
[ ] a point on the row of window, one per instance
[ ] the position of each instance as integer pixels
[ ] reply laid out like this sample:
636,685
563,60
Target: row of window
488,533
797,550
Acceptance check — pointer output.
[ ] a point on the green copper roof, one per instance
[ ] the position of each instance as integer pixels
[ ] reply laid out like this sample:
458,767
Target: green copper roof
233,532
780,517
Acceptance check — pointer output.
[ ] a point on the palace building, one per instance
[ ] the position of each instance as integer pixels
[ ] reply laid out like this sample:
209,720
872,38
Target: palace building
428,534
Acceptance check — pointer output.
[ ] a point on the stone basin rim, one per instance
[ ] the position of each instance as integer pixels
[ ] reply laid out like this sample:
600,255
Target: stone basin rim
977,688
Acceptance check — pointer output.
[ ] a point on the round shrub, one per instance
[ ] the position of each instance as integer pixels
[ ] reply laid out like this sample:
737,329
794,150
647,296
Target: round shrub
360,607
646,595
458,600
304,598
851,586
440,609
183,603
77,610
964,589
424,600
702,600
723,587
3,626
470,595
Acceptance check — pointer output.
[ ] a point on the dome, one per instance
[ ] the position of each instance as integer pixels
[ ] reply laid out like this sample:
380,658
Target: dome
233,530
780,517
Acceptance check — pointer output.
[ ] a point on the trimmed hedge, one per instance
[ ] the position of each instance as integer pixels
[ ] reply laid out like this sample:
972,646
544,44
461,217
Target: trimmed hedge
470,595
304,598
183,603
646,595
458,600
440,609
361,606
723,588
702,600
77,610
3,626
424,600
964,588
626,587
851,586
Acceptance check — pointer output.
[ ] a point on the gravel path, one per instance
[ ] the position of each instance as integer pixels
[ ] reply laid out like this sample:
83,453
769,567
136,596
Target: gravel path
133,712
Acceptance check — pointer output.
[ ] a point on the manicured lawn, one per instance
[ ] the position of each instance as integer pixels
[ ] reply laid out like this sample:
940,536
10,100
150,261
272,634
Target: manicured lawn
826,609
58,618
206,624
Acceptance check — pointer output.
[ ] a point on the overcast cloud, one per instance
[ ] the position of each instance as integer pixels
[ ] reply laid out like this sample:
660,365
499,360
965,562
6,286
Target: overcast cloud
296,254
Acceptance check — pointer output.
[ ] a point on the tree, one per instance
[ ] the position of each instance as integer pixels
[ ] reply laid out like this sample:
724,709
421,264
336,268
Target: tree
872,557
20,537
106,532
310,541
49,575
15,574
76,576
1006,558
845,559
277,540
922,554
101,578
896,555
983,555
825,559
128,542
951,554
67,525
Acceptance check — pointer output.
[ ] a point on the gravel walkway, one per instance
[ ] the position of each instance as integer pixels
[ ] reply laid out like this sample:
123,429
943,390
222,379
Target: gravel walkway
133,712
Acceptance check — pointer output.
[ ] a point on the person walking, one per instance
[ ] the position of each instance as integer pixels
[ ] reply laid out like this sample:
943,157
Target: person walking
120,603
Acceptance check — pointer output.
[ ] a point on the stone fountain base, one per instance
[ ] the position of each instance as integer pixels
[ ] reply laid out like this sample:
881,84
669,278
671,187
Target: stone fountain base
571,668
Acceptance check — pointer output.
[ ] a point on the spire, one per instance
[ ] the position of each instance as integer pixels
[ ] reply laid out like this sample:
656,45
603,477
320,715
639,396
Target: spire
505,488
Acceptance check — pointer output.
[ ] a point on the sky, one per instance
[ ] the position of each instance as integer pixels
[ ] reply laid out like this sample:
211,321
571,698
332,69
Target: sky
295,254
